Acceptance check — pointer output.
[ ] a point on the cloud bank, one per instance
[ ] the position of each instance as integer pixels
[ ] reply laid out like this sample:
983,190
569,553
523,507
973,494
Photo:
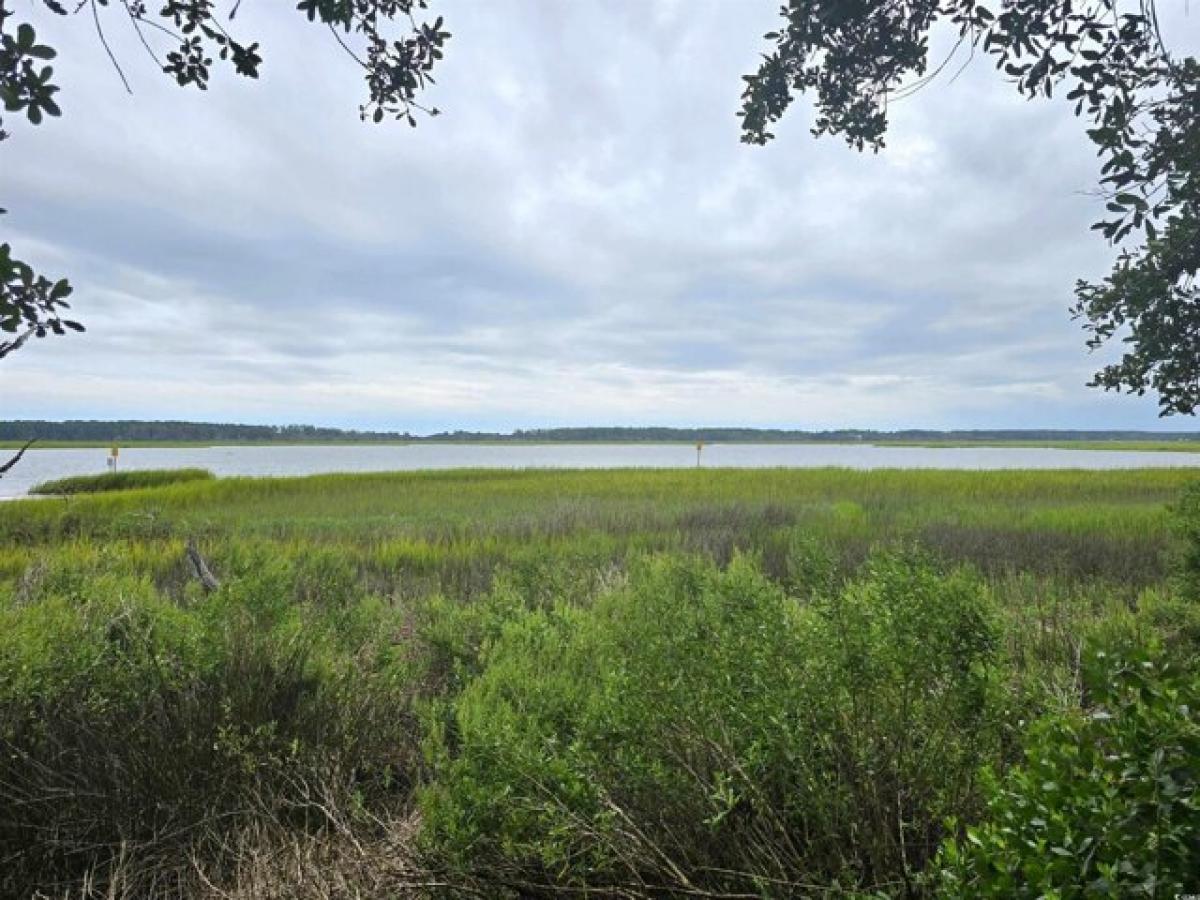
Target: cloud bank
579,239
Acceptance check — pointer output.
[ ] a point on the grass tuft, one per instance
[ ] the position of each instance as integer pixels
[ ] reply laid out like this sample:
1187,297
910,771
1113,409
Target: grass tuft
120,481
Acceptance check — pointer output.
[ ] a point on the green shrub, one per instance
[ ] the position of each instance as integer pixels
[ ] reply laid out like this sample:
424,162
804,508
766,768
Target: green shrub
136,731
1187,523
810,566
1171,619
120,481
1107,803
700,727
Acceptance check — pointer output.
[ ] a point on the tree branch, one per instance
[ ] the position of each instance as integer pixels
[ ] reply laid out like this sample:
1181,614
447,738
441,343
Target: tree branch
16,459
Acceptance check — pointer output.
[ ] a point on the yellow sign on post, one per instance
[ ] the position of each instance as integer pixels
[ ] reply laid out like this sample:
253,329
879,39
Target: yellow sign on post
112,457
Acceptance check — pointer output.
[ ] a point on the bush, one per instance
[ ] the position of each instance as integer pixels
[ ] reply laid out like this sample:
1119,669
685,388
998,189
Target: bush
1172,620
135,732
1187,523
1107,802
700,729
120,481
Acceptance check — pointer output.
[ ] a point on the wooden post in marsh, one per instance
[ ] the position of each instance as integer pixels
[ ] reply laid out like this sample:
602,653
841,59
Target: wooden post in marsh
699,449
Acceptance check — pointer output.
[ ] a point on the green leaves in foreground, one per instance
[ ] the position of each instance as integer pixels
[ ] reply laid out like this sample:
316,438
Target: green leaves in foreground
1107,803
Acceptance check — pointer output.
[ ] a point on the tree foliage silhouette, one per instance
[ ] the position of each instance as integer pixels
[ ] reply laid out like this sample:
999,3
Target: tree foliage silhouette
187,39
1141,105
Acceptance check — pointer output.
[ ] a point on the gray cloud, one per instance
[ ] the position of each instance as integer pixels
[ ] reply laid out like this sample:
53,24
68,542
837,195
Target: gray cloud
579,239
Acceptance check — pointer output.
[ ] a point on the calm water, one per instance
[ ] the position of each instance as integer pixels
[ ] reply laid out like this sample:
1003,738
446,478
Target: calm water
40,465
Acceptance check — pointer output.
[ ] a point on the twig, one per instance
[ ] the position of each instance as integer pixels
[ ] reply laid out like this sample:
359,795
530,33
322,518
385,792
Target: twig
137,27
107,49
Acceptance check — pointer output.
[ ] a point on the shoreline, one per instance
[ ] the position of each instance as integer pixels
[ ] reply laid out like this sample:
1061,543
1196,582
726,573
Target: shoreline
1131,446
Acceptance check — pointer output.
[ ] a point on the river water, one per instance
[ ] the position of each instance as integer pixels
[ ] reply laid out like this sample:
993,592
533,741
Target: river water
43,464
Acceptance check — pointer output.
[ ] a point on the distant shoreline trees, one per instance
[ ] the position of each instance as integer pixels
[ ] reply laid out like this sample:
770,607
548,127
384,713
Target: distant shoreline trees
131,431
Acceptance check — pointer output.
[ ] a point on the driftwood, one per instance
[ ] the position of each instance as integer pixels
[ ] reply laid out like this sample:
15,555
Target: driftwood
200,567
16,459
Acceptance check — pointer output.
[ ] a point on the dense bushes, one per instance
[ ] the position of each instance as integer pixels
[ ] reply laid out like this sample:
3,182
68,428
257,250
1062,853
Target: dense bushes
135,732
701,728
679,727
1107,802
120,481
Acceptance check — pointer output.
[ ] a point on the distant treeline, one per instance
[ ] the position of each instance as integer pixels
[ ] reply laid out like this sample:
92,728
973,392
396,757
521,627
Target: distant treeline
845,435
135,431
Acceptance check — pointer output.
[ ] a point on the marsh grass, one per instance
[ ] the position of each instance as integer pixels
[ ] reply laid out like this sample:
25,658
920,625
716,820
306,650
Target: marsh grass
120,481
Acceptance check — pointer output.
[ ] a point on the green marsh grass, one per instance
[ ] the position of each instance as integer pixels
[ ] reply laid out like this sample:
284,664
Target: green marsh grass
120,481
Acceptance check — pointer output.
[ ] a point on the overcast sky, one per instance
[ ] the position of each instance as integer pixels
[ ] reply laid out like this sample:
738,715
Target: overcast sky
579,239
